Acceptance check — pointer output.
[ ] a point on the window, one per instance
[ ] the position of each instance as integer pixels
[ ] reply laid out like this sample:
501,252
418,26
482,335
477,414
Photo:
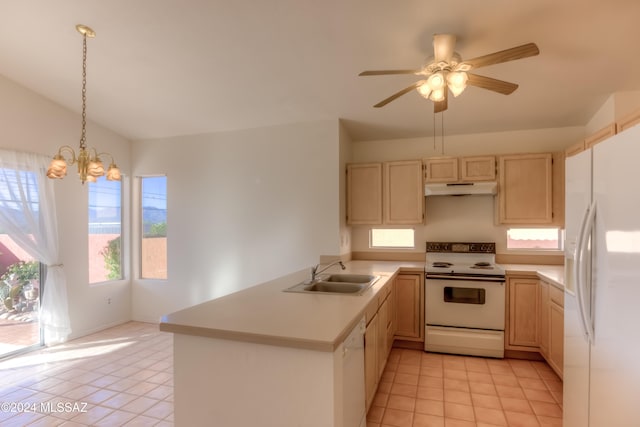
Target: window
534,238
153,248
399,238
105,230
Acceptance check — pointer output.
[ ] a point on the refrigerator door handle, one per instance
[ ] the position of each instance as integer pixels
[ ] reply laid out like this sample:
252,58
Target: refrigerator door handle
576,274
582,285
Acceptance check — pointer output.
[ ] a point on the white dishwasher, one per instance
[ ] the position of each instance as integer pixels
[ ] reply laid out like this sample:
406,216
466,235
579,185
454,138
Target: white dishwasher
354,407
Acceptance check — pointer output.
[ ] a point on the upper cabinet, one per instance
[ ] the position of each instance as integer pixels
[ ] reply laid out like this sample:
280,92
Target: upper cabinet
364,193
463,169
526,192
599,136
628,121
441,169
403,197
393,188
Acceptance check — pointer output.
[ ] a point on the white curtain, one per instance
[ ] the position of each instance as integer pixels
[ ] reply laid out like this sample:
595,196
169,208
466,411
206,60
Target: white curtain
28,215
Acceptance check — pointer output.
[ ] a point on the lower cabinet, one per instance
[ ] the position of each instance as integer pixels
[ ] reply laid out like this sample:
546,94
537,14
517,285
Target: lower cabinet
543,338
409,304
370,365
523,313
378,338
556,330
536,319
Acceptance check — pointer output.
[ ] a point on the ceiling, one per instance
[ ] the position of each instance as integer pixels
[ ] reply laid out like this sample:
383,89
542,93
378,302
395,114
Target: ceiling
160,68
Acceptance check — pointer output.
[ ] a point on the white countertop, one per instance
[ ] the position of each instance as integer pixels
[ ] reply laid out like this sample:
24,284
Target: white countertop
553,274
265,314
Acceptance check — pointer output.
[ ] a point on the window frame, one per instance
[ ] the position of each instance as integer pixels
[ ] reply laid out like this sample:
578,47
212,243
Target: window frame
391,247
141,226
558,248
123,241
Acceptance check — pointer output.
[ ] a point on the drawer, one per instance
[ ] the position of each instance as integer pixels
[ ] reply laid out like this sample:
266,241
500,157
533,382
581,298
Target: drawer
556,295
371,310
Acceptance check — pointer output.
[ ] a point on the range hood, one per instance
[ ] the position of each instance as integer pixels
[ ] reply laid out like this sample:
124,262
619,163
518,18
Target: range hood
461,189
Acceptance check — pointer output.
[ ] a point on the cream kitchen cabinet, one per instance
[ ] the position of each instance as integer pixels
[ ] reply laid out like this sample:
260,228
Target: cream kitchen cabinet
599,136
370,360
555,355
364,193
523,313
410,307
463,169
403,196
526,192
377,343
543,316
628,121
385,193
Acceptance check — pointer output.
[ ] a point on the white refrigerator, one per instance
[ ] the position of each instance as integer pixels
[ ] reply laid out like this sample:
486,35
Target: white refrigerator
602,277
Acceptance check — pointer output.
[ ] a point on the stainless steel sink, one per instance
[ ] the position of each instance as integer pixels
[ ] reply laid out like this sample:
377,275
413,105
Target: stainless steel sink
350,278
345,284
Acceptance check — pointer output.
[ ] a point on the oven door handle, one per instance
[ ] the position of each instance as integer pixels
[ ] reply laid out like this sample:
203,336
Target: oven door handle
465,278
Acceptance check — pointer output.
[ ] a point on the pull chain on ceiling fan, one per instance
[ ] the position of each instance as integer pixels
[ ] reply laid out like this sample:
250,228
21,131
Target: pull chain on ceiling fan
446,71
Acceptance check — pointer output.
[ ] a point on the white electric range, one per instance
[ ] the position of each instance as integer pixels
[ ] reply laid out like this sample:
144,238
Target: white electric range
464,299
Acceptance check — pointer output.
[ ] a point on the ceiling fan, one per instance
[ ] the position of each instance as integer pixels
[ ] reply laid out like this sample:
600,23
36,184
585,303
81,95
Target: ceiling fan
446,70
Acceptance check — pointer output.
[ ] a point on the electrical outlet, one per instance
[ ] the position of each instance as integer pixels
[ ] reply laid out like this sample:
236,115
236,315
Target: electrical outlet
108,300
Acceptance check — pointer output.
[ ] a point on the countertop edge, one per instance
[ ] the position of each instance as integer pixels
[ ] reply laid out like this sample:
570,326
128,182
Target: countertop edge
298,343
544,272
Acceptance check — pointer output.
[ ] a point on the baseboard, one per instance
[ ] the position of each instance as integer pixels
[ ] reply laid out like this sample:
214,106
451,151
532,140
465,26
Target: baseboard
411,345
85,332
523,355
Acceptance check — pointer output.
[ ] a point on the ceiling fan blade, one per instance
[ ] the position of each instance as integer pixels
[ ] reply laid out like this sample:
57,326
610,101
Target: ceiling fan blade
443,47
519,52
387,72
398,94
439,107
495,85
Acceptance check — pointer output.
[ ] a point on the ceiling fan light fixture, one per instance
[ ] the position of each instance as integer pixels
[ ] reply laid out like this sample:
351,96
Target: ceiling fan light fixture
436,81
457,82
437,95
424,89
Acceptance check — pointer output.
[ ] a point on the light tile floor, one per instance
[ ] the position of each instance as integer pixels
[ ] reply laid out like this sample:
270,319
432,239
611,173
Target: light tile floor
122,376
421,389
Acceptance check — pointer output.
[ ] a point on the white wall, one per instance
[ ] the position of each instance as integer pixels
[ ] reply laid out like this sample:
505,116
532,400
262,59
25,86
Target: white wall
29,122
469,218
616,107
243,207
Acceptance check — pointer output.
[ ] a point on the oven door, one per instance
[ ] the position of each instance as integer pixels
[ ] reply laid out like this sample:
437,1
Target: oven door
465,303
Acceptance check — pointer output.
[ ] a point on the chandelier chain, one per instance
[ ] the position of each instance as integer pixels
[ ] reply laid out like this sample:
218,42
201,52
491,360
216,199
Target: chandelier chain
83,137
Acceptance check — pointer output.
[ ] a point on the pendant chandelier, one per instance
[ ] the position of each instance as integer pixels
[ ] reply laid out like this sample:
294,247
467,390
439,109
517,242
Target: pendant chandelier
90,165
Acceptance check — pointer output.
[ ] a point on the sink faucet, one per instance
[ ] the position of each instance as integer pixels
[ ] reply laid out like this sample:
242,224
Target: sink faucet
315,272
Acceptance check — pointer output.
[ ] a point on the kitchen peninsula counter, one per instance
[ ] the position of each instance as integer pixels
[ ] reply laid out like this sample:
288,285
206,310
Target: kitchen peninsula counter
264,314
266,357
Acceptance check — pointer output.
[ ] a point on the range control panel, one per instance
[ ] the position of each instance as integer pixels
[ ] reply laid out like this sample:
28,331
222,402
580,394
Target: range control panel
462,247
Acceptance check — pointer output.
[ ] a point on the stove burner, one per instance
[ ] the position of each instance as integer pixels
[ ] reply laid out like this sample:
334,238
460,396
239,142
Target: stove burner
441,264
483,265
